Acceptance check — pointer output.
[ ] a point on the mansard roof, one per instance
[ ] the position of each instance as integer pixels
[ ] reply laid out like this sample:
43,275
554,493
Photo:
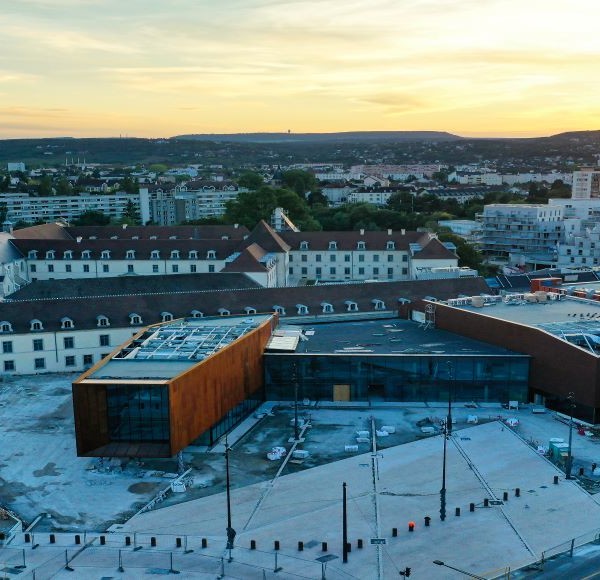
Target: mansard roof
433,249
119,248
131,285
203,232
149,306
347,241
50,231
248,260
266,237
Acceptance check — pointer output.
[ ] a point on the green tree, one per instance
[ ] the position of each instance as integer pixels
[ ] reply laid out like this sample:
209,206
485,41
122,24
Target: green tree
91,218
468,255
44,188
251,180
130,185
63,187
131,215
302,182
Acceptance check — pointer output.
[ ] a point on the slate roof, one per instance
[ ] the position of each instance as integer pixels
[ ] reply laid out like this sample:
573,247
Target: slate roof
435,250
248,260
128,285
208,232
84,311
266,237
348,241
118,248
50,231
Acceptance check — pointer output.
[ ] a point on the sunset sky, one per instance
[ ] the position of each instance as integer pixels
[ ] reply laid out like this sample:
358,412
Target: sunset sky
157,68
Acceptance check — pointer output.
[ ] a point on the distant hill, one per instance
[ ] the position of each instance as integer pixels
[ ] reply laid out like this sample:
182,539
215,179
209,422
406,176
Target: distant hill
354,136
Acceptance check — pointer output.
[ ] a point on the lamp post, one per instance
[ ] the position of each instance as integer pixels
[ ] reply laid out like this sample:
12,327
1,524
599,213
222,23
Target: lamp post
447,432
296,431
571,399
344,526
440,563
230,530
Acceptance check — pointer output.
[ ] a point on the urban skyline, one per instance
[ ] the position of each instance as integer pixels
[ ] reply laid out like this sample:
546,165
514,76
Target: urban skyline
499,68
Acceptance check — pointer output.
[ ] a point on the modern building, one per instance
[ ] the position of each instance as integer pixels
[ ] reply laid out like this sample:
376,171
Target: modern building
394,360
171,384
522,233
559,330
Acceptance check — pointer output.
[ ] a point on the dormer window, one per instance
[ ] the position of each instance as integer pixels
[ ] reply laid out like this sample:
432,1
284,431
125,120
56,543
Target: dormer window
172,237
250,310
102,320
130,255
333,245
279,309
166,316
153,237
361,245
223,312
193,255
351,306
36,324
175,255
135,319
390,245
197,314
301,309
154,255
326,307
32,255
105,255
211,255
86,255
5,326
50,255
68,255
66,323
378,304
304,245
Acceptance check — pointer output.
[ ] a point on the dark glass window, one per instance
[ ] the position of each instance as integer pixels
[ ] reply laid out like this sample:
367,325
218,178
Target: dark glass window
9,365
69,342
104,340
38,344
138,413
39,363
69,361
7,346
88,359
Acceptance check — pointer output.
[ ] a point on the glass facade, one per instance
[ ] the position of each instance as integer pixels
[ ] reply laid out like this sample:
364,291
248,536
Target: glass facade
229,421
138,412
399,377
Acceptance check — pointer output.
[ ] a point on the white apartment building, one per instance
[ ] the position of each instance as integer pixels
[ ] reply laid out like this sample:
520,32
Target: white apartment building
28,208
522,233
586,183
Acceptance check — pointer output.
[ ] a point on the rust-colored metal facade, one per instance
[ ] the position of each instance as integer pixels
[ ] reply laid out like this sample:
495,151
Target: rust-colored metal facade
557,367
198,398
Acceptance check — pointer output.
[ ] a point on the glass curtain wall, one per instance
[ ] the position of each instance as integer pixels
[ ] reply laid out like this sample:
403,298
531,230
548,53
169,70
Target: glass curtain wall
138,412
400,378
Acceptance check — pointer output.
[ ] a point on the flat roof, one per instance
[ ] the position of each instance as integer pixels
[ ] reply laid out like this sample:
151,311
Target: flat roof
165,351
391,336
574,320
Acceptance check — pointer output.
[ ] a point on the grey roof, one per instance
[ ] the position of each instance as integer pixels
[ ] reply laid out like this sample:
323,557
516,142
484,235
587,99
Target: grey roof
129,285
395,336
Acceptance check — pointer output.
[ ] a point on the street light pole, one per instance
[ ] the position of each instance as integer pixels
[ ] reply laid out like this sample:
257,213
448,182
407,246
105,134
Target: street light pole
440,563
230,530
570,398
344,526
296,431
446,434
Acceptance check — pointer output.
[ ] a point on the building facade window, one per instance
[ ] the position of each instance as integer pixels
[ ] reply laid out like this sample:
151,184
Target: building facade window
130,268
7,346
9,366
33,268
193,268
50,267
38,344
68,268
105,268
70,361
155,268
86,268
6,327
104,340
88,359
39,364
69,342
211,268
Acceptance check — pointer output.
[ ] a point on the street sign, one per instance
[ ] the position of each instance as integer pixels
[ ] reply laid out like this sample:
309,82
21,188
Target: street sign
378,541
